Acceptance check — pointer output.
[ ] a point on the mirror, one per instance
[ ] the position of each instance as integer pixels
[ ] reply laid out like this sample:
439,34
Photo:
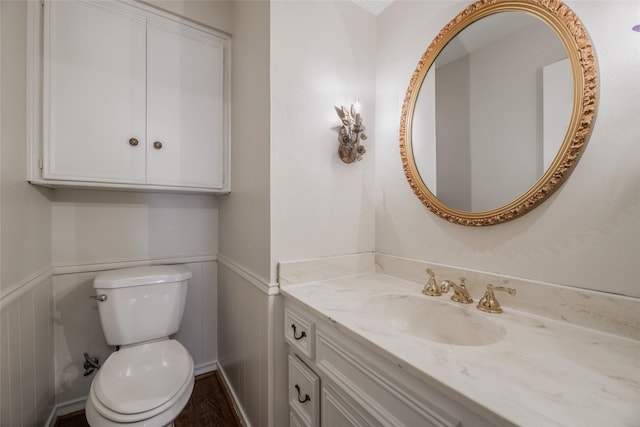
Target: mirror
498,110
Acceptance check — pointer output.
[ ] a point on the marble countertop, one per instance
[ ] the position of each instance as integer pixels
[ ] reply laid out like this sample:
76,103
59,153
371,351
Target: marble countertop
540,372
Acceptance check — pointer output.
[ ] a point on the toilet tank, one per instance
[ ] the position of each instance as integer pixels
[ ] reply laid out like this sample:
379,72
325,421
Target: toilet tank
142,303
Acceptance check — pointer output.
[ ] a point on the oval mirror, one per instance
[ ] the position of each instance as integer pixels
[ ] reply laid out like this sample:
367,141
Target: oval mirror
498,110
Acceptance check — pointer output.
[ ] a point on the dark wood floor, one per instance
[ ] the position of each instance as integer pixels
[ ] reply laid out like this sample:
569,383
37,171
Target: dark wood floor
209,406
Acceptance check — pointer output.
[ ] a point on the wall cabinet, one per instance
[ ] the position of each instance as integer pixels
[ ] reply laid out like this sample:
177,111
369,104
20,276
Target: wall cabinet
131,98
355,386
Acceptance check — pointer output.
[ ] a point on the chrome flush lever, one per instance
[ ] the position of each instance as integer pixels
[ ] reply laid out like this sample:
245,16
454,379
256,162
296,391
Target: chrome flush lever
100,298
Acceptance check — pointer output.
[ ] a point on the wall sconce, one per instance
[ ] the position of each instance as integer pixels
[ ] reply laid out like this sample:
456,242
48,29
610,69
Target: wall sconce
350,133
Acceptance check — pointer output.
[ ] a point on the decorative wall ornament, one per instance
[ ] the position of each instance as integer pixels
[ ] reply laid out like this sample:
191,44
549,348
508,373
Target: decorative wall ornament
350,133
581,54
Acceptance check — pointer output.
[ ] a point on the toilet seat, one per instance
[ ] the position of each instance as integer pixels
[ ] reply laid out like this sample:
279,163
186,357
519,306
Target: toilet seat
142,381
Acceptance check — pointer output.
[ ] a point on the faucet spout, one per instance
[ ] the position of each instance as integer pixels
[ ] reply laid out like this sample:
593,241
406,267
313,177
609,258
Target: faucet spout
460,292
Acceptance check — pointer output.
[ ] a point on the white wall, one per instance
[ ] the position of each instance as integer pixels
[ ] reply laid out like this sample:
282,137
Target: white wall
588,233
25,210
322,55
26,349
97,227
245,212
250,350
292,62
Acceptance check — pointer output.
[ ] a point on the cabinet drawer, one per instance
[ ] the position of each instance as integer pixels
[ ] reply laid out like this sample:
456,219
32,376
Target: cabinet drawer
300,333
304,393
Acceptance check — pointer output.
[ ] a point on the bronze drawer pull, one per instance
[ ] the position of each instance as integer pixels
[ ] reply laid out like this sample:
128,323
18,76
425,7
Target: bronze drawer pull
306,396
302,334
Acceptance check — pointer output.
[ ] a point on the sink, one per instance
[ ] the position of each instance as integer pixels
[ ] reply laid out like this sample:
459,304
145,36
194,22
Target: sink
428,318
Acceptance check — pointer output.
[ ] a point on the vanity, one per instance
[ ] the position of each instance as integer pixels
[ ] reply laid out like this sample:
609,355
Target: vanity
368,348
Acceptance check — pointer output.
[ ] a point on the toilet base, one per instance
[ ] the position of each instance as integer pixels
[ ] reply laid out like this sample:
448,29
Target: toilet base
163,419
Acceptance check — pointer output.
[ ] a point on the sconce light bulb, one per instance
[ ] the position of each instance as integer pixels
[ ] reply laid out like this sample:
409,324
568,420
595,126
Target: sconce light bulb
356,105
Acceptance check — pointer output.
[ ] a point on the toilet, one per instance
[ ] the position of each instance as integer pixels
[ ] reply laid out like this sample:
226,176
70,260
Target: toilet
149,379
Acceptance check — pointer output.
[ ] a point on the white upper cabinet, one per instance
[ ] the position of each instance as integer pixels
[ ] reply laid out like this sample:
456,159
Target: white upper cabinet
131,98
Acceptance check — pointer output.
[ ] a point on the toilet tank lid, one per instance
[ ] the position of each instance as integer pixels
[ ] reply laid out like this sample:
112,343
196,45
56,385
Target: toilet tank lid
138,276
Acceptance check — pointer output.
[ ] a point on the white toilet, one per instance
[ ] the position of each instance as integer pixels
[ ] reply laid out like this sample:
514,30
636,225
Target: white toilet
149,380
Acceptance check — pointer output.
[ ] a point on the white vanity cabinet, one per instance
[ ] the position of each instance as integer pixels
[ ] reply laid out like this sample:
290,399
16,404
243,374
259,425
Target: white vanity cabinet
358,386
131,98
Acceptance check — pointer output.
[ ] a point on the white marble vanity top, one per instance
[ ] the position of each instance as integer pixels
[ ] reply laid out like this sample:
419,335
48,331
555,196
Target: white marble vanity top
541,372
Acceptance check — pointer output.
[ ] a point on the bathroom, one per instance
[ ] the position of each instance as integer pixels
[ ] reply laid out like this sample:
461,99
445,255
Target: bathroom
291,198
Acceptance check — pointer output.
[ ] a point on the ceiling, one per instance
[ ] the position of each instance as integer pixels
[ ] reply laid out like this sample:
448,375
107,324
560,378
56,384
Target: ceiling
373,6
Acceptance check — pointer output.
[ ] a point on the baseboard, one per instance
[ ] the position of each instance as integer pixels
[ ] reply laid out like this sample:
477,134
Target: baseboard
205,368
239,409
64,409
51,420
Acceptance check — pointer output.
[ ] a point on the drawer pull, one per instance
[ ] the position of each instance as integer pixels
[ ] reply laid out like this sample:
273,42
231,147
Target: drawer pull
302,334
306,396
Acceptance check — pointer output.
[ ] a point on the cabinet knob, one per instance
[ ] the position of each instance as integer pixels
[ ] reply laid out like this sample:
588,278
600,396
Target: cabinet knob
133,142
157,145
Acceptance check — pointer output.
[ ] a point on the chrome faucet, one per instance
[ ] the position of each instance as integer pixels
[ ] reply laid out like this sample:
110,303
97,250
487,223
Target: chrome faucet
460,292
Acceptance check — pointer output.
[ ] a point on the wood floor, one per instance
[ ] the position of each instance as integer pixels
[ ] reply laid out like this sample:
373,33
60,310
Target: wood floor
209,406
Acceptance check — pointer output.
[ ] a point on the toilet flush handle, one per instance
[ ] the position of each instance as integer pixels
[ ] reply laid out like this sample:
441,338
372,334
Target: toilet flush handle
99,297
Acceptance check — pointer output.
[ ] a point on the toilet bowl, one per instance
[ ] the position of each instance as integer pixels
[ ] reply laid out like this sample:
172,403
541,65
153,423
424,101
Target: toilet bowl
149,379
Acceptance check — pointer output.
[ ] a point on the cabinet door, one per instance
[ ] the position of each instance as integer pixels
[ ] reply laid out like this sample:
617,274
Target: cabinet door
339,411
94,92
185,107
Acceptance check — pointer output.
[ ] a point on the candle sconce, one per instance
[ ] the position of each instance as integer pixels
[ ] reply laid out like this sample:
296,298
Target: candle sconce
351,133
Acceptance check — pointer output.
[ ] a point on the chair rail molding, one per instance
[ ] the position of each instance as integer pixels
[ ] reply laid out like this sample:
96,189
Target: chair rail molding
262,284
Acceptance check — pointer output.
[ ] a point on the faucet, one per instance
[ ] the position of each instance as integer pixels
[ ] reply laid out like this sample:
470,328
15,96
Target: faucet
431,288
488,303
460,293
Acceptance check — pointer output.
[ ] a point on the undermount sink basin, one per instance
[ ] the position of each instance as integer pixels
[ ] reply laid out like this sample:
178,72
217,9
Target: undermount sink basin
428,318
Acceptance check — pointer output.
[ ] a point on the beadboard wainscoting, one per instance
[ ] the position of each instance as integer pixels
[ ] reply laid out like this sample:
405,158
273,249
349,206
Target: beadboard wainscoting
27,391
251,355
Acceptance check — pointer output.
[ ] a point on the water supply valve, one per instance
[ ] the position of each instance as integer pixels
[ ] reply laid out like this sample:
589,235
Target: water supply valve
90,364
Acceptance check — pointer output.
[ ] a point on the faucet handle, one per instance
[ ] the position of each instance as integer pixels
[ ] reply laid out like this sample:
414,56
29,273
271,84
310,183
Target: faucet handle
488,303
431,288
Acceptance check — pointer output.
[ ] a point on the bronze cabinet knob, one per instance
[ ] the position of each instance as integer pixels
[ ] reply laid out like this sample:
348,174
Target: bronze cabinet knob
133,142
157,145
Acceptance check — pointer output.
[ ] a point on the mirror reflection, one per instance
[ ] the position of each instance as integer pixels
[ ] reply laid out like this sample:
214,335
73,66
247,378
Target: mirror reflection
492,111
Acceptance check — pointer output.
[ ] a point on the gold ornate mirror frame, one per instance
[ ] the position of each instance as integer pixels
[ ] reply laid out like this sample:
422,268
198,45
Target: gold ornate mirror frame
581,54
